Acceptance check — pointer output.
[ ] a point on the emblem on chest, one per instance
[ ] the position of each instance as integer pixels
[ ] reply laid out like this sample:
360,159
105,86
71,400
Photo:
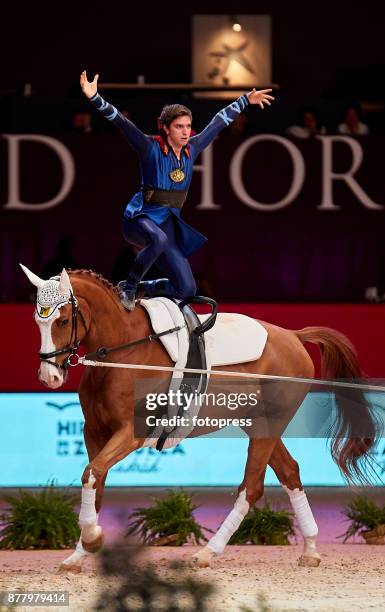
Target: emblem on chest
177,175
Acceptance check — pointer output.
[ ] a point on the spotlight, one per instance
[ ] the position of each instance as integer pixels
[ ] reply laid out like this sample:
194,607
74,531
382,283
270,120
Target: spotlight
236,26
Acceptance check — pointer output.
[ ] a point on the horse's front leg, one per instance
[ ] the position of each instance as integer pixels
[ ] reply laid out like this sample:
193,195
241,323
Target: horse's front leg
120,444
249,492
94,443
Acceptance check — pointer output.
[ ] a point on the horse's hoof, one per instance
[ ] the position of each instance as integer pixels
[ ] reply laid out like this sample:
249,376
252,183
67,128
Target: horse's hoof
72,568
73,563
203,558
306,561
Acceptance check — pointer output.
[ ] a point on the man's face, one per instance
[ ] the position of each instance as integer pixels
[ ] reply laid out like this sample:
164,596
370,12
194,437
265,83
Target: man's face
178,133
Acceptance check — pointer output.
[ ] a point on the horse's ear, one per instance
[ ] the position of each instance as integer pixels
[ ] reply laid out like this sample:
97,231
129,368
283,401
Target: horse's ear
64,283
35,280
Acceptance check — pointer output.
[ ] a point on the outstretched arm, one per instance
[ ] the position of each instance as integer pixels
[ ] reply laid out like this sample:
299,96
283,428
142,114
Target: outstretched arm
141,143
227,116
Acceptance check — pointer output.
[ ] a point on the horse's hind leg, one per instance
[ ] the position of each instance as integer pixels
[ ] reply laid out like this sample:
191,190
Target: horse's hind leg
287,471
249,492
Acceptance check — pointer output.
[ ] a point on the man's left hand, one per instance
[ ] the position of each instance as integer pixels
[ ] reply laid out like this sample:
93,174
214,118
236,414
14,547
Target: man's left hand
260,97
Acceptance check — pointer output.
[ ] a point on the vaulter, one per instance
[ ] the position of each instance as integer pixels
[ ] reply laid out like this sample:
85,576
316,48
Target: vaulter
152,221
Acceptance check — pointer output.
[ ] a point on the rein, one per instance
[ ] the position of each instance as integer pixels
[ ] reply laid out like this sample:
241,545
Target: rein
103,351
200,329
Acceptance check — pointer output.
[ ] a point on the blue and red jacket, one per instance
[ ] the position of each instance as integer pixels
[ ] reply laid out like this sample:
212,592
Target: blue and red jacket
157,160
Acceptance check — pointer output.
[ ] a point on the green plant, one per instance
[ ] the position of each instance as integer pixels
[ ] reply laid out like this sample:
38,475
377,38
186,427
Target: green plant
265,526
172,516
364,514
40,520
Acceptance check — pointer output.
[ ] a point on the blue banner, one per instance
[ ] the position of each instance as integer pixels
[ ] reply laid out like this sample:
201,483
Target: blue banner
41,438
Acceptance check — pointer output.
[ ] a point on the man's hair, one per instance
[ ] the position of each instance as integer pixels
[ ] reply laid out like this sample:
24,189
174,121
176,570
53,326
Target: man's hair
171,112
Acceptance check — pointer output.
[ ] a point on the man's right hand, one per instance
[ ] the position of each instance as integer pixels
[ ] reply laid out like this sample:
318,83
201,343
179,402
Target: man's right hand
89,89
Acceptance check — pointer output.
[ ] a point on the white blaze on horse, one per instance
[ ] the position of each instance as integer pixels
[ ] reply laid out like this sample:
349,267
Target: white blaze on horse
82,307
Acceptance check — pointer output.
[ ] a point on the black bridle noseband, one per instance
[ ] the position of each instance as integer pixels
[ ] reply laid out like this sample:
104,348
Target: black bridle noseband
74,342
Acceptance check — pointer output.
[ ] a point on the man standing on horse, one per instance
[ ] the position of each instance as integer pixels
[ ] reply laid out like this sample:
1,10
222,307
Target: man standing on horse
152,221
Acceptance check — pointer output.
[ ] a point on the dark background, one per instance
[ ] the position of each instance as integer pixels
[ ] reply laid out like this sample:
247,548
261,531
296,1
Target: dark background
319,48
325,54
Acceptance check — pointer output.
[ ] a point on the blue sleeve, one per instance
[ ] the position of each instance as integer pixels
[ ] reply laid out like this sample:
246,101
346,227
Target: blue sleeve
221,120
141,143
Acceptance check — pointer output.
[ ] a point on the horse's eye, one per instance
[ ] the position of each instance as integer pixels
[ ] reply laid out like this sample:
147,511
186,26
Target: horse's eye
62,322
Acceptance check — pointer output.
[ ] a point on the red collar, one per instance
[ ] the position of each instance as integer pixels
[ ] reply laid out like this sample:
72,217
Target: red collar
165,147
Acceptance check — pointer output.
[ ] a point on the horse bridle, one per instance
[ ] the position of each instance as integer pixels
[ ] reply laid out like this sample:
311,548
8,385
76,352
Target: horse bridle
73,345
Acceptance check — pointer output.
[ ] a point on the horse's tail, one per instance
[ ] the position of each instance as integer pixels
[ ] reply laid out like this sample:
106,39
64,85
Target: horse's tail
354,414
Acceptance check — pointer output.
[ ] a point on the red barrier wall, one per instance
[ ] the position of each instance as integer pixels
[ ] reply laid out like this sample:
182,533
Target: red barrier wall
362,323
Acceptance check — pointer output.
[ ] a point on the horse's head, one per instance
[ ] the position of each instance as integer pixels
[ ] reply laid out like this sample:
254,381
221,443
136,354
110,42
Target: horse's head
56,315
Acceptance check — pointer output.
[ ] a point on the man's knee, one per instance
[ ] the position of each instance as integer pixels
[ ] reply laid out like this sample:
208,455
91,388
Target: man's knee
143,232
159,241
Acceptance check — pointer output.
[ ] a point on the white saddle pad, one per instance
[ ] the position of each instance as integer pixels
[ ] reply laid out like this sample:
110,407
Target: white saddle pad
235,338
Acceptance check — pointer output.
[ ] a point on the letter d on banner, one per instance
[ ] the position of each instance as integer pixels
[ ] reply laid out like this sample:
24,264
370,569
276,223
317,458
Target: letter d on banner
65,157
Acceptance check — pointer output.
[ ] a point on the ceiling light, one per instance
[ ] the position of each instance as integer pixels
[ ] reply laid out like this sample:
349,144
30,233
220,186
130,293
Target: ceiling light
236,26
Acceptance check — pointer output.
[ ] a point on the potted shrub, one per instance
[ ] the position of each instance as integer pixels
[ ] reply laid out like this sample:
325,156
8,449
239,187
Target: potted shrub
46,519
265,526
169,521
367,519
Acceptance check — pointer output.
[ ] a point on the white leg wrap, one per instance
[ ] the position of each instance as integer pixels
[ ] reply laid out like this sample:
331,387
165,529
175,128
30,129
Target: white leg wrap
303,512
231,523
87,514
79,548
75,560
309,546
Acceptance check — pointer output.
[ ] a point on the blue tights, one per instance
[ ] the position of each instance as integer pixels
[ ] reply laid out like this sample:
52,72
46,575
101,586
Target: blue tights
159,244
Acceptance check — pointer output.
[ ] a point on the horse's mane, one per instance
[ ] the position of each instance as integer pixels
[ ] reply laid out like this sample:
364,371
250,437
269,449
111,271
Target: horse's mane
98,278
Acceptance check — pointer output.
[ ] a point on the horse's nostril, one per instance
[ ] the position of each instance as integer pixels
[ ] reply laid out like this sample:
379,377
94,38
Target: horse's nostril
53,380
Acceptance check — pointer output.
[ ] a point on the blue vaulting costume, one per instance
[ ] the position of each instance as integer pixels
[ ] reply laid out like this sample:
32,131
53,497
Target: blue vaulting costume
152,220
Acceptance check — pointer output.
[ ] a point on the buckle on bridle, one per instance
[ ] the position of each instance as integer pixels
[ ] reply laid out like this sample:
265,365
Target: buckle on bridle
70,361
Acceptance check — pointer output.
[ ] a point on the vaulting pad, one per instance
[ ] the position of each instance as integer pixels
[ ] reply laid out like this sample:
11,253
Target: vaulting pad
235,338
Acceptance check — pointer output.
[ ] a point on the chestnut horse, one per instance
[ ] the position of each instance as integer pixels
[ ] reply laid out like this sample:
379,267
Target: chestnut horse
86,308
